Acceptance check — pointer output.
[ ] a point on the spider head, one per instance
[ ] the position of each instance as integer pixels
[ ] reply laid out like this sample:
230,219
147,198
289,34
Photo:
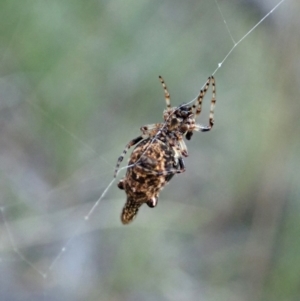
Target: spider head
180,119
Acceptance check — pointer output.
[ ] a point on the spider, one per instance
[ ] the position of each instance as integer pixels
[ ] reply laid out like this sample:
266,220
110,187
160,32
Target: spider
159,152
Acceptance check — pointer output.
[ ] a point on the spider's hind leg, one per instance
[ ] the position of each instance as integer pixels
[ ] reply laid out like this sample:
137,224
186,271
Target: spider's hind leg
120,159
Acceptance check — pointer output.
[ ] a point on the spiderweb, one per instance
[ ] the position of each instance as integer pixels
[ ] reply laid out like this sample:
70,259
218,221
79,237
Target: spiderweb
61,238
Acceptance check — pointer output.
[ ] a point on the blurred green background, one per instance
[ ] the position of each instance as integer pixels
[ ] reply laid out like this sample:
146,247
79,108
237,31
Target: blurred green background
78,80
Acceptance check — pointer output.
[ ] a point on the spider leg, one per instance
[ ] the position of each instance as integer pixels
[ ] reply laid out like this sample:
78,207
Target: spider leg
182,147
170,171
167,94
198,109
181,164
181,167
120,159
151,129
199,99
202,128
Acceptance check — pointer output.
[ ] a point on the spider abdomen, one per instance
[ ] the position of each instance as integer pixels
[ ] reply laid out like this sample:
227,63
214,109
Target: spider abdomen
147,176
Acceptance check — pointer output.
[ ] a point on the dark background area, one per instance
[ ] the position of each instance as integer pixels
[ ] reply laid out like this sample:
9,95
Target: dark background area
78,80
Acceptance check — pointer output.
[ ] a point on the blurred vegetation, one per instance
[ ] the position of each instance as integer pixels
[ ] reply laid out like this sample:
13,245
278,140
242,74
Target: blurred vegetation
78,80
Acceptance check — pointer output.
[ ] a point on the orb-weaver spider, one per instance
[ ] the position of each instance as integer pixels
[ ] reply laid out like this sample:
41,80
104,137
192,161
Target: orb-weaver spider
159,153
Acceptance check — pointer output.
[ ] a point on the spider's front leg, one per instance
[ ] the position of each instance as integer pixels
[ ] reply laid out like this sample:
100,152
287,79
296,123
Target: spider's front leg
120,159
151,129
197,107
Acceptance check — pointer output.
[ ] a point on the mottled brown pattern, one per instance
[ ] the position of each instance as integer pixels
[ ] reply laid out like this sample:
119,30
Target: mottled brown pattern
159,153
143,181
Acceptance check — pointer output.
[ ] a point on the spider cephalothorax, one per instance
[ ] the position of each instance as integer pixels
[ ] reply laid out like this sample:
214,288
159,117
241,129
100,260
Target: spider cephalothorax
159,153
